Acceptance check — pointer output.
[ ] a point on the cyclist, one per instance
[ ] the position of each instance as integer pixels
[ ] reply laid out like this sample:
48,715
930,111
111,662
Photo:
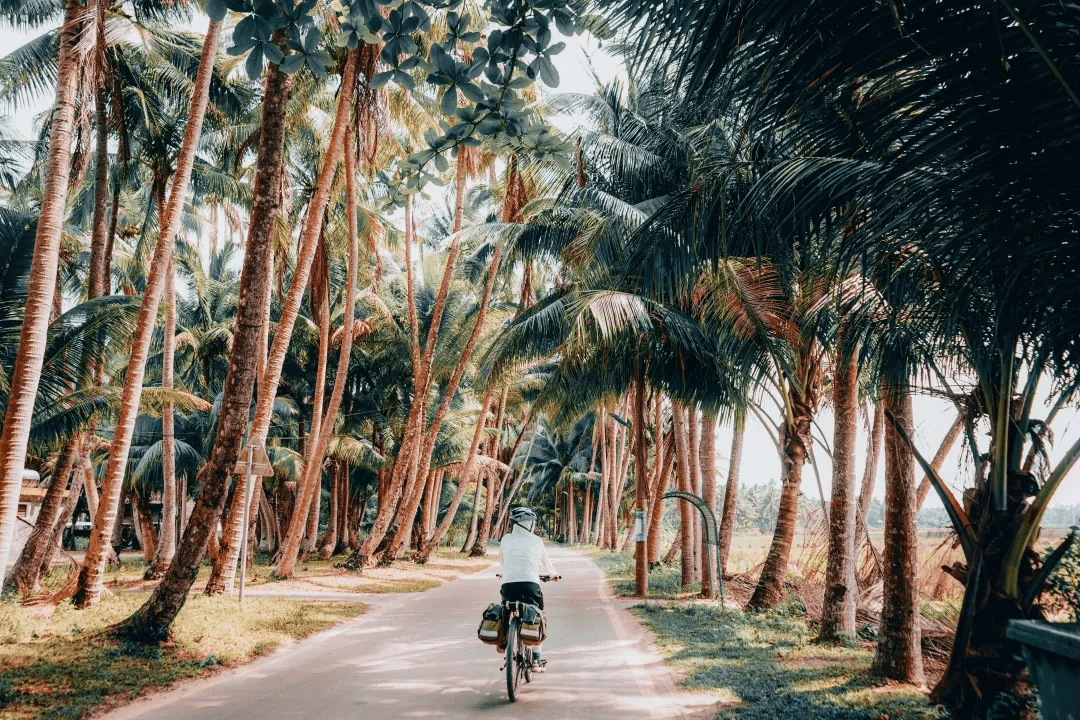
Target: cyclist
524,559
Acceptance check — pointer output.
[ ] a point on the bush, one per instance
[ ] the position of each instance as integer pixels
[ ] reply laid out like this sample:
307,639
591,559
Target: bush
1064,583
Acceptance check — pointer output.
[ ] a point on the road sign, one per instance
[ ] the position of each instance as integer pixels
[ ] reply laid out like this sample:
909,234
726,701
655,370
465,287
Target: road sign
252,462
259,463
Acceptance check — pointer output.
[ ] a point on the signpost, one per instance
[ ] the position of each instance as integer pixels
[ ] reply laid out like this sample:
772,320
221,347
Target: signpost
253,462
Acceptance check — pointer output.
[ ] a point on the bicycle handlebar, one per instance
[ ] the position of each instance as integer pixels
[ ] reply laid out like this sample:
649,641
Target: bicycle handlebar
543,578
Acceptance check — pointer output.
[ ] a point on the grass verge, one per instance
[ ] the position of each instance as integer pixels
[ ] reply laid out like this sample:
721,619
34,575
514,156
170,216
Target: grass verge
761,666
66,665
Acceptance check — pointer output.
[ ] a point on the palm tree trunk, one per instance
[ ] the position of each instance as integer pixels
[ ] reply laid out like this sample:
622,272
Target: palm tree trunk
144,521
424,553
838,609
470,539
708,494
329,541
641,483
656,515
26,374
26,575
899,650
939,457
92,574
152,621
873,453
313,469
731,490
794,440
98,275
265,211
408,510
92,507
82,475
479,548
343,510
686,510
401,472
695,477
166,546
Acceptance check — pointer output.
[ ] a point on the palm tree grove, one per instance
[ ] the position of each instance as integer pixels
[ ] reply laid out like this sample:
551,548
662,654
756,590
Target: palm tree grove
540,358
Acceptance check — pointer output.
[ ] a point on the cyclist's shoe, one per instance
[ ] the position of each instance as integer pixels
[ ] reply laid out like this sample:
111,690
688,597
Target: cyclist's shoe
538,663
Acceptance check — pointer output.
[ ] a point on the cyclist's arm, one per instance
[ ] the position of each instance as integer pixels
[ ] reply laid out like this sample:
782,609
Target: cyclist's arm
546,568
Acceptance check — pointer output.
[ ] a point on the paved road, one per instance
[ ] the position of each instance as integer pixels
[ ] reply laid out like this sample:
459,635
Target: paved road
417,656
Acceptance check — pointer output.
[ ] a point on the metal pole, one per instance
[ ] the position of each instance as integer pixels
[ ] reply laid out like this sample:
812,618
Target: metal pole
244,531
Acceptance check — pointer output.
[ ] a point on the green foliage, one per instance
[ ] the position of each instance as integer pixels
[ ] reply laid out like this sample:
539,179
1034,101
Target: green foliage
1063,586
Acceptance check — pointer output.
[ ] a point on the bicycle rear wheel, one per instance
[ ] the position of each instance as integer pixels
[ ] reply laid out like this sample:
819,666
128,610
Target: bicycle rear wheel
513,662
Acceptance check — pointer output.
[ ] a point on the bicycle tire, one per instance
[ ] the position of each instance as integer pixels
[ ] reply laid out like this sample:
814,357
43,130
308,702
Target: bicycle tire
528,656
513,642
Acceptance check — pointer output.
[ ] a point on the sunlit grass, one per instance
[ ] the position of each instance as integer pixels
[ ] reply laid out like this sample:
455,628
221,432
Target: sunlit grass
67,664
764,666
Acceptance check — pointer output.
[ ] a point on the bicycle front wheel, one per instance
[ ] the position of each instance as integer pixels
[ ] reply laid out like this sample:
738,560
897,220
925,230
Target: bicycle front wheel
513,662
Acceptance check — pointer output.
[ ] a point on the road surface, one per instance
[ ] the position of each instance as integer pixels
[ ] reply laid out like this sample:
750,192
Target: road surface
417,656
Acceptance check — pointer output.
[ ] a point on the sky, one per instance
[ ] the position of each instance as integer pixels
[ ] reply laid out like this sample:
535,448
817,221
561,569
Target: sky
585,57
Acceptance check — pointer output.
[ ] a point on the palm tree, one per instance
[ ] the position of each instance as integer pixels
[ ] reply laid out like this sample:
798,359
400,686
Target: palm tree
90,577
42,280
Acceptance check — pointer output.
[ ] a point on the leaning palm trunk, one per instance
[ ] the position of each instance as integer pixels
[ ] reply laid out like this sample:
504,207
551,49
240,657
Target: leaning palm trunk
794,440
83,474
26,575
731,490
166,546
939,457
423,554
838,610
278,86
494,489
92,573
153,619
392,491
313,468
873,453
26,374
98,276
411,503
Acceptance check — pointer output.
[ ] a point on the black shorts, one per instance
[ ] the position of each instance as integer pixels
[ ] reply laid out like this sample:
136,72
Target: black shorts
528,592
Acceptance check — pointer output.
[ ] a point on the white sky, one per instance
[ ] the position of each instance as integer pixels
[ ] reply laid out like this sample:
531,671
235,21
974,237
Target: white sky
760,462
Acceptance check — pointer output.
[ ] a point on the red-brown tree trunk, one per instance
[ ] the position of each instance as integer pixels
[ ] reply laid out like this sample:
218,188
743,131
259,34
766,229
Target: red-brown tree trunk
686,510
899,650
731,489
838,610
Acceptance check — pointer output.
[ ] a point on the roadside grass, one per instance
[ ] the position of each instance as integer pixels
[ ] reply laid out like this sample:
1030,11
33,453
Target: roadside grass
67,664
665,581
764,666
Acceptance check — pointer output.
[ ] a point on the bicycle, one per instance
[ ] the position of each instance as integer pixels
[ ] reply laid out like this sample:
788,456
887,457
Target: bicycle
519,656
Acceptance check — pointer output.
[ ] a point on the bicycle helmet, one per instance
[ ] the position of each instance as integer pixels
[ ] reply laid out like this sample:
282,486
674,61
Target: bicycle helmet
524,517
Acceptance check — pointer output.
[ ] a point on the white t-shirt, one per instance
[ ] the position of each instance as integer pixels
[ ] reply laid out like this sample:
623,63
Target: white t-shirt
523,557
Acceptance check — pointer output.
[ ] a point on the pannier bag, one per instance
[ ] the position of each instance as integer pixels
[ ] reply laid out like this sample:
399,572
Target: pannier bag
491,628
533,625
